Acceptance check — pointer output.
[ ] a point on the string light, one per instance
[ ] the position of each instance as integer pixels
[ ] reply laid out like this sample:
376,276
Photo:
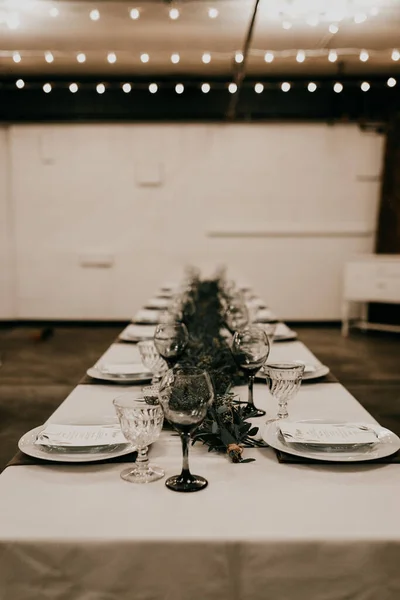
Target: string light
300,56
338,87
54,12
179,88
365,86
126,88
213,13
232,87
13,21
285,87
175,58
312,20
332,56
73,88
259,88
144,57
364,56
153,87
205,88
48,57
206,58
134,14
81,57
174,14
360,17
100,88
17,57
391,82
286,25
269,57
111,57
333,28
20,83
47,88
94,15
239,57
395,55
312,86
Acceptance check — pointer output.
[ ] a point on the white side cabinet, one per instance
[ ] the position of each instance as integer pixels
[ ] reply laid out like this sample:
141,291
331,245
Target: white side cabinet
370,278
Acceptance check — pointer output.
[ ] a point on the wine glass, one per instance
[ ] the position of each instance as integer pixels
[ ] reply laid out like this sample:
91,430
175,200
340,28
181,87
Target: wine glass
236,315
270,329
171,339
141,424
185,395
283,380
152,360
250,349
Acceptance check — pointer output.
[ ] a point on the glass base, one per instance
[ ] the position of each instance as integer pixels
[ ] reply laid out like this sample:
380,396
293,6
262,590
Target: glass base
250,409
152,473
179,483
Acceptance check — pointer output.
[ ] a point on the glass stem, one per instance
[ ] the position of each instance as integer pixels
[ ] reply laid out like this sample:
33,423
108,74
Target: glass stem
250,383
282,411
142,461
185,453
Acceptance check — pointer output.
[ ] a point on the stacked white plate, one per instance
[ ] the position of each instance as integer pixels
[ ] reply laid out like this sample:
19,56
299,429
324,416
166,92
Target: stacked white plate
120,372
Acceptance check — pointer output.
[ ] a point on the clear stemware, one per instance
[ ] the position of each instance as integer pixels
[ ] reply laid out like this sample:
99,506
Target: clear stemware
270,329
283,380
170,340
185,395
250,349
152,360
141,424
236,315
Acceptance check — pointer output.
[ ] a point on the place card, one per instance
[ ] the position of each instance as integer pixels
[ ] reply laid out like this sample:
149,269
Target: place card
327,434
80,435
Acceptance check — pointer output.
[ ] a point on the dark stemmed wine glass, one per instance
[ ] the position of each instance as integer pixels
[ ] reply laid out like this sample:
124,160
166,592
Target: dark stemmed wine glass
185,394
250,349
171,339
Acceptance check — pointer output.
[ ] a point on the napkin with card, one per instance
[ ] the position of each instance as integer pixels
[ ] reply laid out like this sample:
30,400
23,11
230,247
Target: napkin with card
80,435
327,433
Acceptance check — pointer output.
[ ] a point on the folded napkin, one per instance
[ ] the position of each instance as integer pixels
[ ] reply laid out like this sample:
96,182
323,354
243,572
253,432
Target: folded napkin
121,368
327,433
80,435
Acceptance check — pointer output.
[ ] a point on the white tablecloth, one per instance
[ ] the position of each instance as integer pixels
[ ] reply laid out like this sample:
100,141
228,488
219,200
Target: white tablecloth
260,531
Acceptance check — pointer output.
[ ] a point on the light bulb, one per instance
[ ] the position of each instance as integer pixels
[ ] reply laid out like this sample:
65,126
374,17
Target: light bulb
111,57
312,86
213,13
47,88
81,57
48,57
338,87
73,88
144,57
365,86
333,28
179,88
259,88
17,57
153,87
94,14
100,88
391,82
269,57
364,56
54,12
285,87
232,87
134,14
239,57
206,58
174,14
360,17
20,83
332,56
286,25
205,88
175,58
395,55
300,56
127,88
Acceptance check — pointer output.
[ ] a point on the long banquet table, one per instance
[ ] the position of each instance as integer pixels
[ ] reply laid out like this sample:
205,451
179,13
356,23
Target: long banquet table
260,531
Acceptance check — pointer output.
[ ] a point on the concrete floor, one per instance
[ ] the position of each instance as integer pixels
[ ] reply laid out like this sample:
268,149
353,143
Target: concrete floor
36,375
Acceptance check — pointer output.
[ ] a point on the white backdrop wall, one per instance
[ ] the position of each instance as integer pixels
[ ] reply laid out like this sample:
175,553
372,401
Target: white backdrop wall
102,214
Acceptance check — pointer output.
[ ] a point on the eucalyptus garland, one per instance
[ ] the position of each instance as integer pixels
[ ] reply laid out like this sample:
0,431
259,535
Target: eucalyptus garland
225,428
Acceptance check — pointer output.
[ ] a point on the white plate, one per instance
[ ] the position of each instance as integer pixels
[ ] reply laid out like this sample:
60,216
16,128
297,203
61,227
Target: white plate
291,335
387,444
312,372
27,445
137,333
133,378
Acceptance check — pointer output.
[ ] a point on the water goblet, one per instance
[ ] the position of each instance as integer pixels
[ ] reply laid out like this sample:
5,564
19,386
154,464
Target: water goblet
152,360
283,380
250,349
171,339
185,395
141,424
